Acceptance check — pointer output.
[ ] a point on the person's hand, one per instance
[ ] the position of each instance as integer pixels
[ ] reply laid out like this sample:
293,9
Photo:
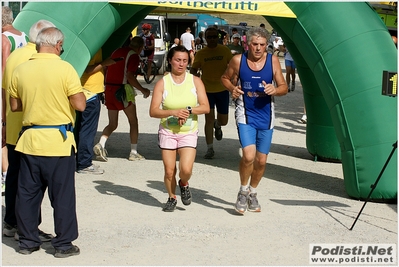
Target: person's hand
237,92
269,88
181,121
183,115
146,92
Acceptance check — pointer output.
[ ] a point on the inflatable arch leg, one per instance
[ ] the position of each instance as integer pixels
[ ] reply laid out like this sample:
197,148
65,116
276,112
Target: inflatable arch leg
346,47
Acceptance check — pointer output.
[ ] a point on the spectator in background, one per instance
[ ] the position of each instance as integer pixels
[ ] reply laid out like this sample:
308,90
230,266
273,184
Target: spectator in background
222,35
187,40
290,67
276,45
201,37
149,45
234,31
235,46
244,41
199,41
176,43
198,45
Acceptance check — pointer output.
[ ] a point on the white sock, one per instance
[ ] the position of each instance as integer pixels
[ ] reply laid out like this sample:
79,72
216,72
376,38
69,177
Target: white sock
252,189
244,188
133,148
210,146
103,140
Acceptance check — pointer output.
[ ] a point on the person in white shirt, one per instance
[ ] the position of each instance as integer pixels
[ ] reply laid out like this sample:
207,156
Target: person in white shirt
187,40
276,45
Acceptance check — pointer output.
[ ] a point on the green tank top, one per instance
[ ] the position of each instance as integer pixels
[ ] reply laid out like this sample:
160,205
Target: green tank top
178,96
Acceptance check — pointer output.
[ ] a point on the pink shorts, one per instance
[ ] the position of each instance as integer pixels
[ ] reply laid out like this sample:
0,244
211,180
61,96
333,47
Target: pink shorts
168,140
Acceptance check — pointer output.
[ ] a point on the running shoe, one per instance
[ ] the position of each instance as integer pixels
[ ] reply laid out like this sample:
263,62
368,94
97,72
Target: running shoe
170,204
253,204
242,202
135,156
93,169
100,152
185,194
209,154
218,131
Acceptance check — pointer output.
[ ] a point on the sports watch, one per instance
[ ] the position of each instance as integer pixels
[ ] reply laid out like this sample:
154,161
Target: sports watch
189,109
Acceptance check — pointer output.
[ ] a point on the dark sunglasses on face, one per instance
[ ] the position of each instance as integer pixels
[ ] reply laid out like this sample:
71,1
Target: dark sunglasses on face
62,50
212,37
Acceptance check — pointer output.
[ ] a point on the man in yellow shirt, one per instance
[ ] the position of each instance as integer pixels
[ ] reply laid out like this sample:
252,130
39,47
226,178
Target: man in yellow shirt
13,128
87,121
48,91
213,61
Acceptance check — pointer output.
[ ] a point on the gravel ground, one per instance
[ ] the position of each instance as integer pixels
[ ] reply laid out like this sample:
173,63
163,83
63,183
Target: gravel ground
303,202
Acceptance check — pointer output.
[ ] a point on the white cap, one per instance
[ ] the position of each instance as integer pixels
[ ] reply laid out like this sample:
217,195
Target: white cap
236,35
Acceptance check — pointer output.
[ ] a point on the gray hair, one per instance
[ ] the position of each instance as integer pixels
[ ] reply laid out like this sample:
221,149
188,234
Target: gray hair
258,32
7,16
49,37
37,27
136,42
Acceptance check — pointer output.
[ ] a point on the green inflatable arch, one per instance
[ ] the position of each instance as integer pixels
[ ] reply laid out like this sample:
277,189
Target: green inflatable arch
340,48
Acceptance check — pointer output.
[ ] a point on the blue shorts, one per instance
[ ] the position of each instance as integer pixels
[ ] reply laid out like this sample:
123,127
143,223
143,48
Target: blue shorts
290,63
220,100
248,135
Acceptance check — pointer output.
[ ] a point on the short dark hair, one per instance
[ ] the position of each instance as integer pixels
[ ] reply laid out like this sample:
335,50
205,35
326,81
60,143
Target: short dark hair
211,29
178,48
234,29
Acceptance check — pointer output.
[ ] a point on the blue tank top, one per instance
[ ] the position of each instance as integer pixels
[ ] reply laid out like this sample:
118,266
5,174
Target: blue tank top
255,107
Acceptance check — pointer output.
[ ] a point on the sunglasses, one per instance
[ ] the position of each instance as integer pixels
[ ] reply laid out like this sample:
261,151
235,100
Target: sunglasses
212,37
62,50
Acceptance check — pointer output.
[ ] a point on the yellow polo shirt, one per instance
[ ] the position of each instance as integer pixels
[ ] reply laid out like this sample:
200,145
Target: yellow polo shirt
93,83
14,119
213,62
44,84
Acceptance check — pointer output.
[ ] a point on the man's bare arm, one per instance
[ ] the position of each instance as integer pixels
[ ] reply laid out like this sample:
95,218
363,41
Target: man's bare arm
78,101
15,104
131,78
230,76
5,51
